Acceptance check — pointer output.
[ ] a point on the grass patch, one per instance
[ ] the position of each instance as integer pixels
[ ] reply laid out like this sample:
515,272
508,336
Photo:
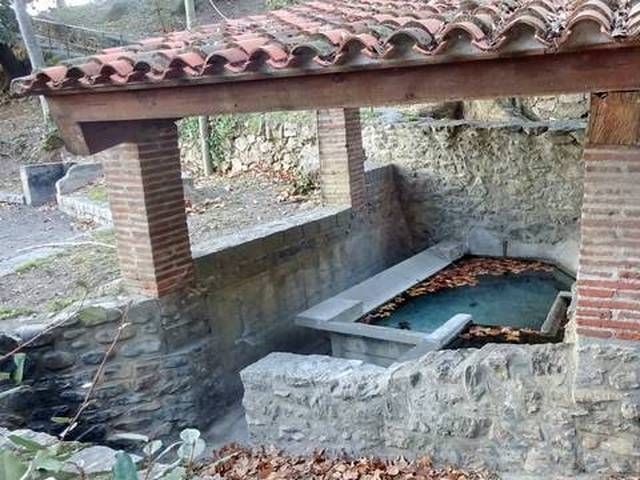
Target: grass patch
56,305
33,265
98,193
104,235
12,312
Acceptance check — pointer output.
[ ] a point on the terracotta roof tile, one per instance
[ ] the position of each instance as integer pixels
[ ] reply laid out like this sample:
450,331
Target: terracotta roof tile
329,35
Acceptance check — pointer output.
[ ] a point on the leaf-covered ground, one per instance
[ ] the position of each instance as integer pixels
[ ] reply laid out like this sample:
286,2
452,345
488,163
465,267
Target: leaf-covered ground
239,463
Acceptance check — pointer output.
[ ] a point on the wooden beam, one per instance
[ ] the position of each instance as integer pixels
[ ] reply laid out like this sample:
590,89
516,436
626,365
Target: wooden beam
586,71
592,71
614,119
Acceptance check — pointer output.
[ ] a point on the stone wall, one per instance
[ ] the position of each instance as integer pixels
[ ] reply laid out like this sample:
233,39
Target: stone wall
177,362
512,169
505,407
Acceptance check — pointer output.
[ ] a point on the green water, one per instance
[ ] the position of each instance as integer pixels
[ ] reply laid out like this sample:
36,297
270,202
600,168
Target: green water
520,300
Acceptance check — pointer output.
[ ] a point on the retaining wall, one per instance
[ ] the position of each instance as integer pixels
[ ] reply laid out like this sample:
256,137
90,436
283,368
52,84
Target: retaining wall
177,363
548,410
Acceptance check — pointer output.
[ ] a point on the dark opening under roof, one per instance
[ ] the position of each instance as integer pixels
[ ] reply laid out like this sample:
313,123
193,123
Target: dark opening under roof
332,36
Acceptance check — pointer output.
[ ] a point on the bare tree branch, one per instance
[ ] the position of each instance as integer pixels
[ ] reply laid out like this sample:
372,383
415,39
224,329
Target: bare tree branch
97,378
218,11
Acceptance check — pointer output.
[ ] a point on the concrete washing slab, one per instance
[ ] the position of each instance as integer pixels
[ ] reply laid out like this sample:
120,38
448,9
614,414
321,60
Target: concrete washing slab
339,315
383,345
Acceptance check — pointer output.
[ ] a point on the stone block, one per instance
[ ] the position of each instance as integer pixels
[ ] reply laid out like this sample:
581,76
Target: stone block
58,360
78,176
39,182
98,314
107,335
141,347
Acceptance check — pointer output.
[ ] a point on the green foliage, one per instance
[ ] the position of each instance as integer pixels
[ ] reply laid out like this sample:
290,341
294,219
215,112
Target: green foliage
98,193
7,312
56,305
18,372
11,468
8,23
222,131
33,460
303,184
276,4
124,468
52,141
221,136
33,265
38,462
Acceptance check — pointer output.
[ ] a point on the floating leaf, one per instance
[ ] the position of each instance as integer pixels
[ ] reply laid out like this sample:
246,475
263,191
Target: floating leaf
124,468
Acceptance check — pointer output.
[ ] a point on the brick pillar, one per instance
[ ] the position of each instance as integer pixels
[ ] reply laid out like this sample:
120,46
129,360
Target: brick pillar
341,157
147,203
609,274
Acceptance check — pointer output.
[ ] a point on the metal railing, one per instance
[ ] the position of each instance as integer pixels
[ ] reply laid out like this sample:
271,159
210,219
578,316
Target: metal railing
72,40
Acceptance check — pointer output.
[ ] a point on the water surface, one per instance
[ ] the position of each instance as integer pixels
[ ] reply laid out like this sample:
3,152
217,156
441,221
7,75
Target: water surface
520,300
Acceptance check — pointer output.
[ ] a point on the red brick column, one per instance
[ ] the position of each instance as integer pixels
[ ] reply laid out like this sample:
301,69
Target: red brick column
341,157
609,273
147,203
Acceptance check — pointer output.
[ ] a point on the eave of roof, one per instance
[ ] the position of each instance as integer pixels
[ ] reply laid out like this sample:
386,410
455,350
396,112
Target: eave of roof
336,36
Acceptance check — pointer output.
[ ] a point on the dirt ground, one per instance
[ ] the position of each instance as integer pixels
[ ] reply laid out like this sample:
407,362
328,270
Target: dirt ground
44,286
48,285
225,205
45,283
146,17
21,134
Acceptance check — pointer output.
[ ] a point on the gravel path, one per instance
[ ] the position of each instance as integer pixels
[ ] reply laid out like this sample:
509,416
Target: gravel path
22,226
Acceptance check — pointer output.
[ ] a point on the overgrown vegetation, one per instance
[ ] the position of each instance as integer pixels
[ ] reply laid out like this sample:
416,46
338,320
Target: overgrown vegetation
98,193
134,19
276,4
29,459
8,24
33,264
7,312
222,131
52,141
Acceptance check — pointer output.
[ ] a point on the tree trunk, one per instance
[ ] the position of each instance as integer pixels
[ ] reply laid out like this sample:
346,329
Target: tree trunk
31,43
203,122
190,13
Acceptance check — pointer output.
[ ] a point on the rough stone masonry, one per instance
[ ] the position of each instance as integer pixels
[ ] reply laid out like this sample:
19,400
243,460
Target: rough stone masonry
550,410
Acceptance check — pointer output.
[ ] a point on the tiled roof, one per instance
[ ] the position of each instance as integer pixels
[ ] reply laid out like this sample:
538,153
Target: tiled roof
340,35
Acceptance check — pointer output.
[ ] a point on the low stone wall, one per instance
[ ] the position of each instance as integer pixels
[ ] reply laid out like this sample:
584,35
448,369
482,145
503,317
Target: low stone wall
511,170
177,363
508,408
